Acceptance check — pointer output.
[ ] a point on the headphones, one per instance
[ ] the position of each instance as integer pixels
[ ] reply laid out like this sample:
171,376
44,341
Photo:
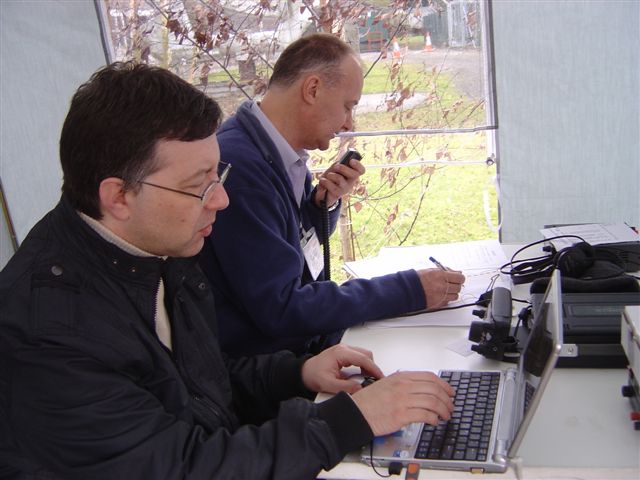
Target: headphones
573,262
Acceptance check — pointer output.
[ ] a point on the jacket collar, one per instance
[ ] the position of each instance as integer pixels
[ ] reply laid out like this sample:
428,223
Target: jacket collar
260,138
134,268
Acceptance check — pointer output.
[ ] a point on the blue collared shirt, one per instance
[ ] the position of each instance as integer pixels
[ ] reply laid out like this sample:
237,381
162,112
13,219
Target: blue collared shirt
295,162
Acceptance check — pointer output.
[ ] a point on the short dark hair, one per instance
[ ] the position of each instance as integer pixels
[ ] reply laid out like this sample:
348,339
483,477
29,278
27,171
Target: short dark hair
115,121
319,53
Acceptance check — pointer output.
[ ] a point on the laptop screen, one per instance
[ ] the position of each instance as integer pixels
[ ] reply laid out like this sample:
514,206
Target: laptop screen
539,355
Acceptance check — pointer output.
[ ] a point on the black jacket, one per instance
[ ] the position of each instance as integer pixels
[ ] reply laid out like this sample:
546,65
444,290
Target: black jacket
87,391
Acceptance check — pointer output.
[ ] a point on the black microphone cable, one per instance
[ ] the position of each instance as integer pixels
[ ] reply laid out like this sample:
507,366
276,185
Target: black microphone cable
326,249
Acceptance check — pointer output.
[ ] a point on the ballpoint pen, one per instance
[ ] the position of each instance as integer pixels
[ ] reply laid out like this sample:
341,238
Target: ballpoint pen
438,264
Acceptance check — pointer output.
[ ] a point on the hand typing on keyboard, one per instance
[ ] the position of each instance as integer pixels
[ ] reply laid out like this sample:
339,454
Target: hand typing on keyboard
389,403
397,400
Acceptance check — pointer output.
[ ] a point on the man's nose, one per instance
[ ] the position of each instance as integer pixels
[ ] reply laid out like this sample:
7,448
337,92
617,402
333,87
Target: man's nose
219,199
347,126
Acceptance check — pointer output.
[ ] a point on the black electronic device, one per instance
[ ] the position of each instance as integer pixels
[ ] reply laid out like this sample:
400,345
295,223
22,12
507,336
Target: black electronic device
632,391
580,260
348,155
344,160
630,341
627,252
493,334
591,322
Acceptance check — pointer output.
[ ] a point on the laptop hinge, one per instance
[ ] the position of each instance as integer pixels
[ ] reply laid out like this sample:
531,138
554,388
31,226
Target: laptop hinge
508,413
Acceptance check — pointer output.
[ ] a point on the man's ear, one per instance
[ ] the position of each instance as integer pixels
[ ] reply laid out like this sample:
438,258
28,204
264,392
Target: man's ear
310,88
114,199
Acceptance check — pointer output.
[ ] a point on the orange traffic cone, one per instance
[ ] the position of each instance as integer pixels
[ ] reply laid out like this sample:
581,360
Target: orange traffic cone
397,54
427,44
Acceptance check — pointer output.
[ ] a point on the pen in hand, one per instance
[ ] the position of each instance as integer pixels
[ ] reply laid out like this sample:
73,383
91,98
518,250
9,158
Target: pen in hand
438,264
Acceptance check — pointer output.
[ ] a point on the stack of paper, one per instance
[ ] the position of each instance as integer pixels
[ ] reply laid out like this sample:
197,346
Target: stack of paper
592,233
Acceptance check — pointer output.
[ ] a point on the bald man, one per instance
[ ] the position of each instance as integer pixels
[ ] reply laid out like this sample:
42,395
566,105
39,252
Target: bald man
266,265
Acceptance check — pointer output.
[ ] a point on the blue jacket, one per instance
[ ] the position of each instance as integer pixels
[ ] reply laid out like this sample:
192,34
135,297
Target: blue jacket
265,296
87,391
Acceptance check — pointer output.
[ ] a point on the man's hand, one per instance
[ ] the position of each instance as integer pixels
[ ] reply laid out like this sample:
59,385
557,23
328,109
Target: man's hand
323,373
338,180
403,398
440,286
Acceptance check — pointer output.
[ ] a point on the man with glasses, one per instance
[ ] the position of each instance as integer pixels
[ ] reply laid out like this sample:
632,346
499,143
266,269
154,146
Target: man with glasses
109,361
208,190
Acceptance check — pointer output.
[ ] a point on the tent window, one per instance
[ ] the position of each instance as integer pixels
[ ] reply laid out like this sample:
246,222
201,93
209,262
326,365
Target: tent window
425,123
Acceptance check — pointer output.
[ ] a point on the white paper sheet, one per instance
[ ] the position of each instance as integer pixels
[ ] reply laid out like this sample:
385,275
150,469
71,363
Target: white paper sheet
478,260
592,233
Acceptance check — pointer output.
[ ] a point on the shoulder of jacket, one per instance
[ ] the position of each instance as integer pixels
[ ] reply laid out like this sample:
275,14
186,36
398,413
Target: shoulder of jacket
244,135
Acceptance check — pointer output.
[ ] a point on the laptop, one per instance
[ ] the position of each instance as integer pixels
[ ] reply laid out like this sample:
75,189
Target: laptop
504,402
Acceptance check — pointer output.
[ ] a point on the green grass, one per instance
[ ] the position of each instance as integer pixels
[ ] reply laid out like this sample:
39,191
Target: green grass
429,203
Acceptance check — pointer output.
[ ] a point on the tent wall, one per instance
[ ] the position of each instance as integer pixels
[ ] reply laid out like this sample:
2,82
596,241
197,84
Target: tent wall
568,94
47,49
5,242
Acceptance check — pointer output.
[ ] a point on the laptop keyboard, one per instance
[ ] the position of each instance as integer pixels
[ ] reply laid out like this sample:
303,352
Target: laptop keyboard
528,395
466,435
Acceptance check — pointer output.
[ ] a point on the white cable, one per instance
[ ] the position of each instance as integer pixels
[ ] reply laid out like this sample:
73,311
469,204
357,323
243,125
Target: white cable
485,198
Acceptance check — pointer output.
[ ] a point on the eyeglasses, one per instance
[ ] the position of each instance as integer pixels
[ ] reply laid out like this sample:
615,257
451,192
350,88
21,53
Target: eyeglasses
206,194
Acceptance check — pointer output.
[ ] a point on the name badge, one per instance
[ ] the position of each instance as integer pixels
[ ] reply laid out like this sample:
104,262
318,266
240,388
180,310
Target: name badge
312,252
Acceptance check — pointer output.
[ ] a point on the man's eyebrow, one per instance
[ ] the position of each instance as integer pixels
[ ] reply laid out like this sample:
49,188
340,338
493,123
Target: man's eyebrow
203,172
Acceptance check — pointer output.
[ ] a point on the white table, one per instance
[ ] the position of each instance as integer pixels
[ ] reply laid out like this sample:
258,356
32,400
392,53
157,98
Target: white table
581,429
